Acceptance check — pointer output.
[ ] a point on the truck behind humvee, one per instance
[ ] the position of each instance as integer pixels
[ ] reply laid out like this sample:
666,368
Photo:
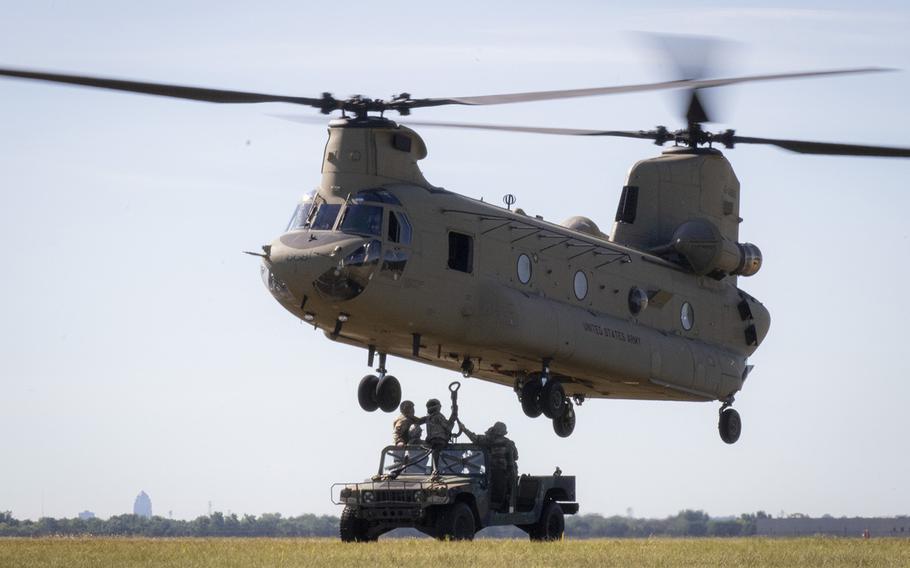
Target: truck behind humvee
455,503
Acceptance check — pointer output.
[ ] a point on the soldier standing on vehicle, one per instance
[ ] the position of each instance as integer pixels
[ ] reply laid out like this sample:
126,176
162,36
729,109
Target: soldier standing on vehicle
403,423
503,461
439,428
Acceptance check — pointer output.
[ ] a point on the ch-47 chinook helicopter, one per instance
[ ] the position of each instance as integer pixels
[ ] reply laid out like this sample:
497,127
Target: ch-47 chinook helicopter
381,259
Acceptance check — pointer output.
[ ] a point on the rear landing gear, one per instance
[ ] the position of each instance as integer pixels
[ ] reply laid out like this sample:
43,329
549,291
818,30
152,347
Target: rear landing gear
541,394
729,424
383,391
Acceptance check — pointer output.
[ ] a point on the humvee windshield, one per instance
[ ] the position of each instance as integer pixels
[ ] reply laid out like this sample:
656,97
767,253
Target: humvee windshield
418,460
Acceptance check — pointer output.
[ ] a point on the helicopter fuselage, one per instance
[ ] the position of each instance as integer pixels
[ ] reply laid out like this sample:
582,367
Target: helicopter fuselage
400,267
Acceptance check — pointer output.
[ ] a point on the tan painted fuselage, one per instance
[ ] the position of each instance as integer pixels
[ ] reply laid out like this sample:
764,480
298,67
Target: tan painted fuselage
445,300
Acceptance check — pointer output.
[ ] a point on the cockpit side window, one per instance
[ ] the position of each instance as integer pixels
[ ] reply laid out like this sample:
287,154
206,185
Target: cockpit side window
399,228
301,213
362,220
298,219
324,218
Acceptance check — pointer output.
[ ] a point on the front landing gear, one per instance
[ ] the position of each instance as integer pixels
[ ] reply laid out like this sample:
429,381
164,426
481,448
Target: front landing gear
729,424
383,391
565,424
541,394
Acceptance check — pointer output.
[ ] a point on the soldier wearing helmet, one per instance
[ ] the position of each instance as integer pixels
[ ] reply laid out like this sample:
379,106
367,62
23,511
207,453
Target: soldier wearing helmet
439,428
503,461
404,422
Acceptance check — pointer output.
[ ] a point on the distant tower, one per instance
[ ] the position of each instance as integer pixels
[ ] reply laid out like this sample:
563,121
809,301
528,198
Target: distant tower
143,505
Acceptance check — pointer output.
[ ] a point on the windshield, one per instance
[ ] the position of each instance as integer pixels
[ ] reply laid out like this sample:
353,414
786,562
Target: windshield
362,220
452,461
324,218
301,213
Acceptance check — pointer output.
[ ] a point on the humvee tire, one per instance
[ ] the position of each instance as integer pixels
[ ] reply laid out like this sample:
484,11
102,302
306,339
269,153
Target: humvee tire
551,525
456,522
351,528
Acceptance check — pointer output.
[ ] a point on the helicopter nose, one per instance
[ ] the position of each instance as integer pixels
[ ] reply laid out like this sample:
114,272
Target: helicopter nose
336,269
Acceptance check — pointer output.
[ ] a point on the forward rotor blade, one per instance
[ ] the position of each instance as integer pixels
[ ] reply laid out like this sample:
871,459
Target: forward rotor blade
664,85
328,103
827,148
161,89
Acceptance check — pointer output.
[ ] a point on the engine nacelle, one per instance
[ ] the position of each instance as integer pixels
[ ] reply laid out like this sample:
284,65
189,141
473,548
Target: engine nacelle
699,241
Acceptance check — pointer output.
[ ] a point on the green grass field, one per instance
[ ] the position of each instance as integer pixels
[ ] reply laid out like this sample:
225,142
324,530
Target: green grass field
425,553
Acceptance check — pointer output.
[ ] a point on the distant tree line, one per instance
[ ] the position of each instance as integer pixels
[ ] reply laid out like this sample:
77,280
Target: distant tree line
686,523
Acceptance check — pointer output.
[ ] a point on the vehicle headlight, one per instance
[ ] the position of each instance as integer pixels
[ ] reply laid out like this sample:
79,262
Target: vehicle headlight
419,495
368,497
438,495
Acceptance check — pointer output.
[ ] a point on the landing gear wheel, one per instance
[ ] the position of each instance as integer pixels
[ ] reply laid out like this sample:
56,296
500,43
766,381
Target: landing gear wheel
456,523
530,393
366,393
552,524
565,424
552,399
353,529
730,426
388,393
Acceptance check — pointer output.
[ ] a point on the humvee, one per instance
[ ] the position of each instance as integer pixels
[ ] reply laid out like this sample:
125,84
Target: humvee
453,504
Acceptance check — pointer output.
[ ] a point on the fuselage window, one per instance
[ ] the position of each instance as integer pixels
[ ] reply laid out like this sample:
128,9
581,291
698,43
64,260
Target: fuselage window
461,252
362,220
687,316
524,268
581,285
324,219
399,228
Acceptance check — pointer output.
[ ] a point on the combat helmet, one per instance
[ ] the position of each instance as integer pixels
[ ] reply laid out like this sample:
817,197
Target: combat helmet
499,429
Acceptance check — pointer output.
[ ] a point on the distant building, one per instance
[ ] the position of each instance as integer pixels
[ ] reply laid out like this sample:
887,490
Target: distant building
86,515
142,506
855,527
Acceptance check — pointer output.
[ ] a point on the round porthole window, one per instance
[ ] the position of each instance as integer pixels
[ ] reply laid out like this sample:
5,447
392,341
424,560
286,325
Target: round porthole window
524,268
638,300
687,316
581,285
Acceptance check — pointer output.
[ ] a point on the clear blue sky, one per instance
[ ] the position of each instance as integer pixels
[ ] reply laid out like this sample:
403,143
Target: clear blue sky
139,349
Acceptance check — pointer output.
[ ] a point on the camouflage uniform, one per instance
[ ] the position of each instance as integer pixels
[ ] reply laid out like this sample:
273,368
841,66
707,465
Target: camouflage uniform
503,460
439,428
404,422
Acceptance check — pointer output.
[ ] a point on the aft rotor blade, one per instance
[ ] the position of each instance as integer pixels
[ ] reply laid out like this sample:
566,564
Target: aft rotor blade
534,129
827,148
664,85
161,89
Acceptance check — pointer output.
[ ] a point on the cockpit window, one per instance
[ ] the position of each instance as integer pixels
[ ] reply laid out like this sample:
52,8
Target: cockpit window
399,228
375,195
362,220
324,218
301,213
